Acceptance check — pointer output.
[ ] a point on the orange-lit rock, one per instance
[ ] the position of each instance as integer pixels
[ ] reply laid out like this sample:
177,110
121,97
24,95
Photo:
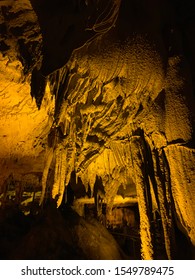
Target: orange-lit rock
116,99
23,128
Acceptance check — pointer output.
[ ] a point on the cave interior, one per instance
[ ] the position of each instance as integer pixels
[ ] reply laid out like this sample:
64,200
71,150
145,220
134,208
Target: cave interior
97,129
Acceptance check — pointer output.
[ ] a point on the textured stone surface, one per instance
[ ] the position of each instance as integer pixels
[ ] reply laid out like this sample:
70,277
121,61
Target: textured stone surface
116,106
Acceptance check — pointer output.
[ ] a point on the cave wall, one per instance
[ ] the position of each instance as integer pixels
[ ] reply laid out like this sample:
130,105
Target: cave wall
23,128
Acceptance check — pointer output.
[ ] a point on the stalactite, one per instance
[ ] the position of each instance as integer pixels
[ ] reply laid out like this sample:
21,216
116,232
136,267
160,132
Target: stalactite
91,182
55,188
138,169
49,157
164,197
59,173
62,175
169,205
85,178
111,190
70,160
92,94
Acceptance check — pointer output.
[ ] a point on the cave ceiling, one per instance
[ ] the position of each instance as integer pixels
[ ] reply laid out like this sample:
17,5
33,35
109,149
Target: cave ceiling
105,91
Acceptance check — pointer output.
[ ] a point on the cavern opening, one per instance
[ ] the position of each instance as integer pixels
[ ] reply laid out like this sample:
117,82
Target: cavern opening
97,114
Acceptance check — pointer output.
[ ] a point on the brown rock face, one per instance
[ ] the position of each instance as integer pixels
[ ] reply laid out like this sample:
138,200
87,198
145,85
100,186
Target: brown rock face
97,101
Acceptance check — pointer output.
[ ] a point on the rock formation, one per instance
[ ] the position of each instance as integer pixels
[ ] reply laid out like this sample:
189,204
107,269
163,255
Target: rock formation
103,93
